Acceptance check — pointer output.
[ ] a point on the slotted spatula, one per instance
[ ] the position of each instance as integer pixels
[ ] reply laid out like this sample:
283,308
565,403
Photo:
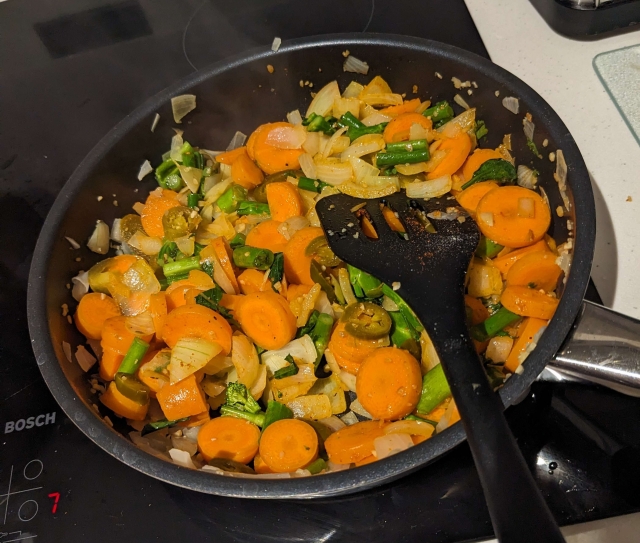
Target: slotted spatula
427,267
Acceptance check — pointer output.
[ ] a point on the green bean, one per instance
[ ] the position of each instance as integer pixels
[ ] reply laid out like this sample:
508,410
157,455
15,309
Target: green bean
407,157
406,146
135,353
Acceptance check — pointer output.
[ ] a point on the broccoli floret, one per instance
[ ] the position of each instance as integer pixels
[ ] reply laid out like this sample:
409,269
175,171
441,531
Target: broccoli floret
238,397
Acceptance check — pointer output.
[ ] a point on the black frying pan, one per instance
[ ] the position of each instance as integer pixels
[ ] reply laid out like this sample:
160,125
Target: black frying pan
239,94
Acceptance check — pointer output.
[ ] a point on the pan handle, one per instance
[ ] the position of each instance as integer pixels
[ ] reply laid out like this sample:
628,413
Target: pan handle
604,347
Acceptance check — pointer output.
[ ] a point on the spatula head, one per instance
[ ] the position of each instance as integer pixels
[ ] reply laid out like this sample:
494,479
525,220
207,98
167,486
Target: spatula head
440,238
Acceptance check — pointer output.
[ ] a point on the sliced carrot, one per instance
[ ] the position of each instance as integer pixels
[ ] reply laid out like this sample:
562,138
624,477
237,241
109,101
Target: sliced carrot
288,444
228,157
477,159
176,293
529,302
504,263
368,460
266,236
349,351
109,364
245,173
295,291
408,106
526,333
470,197
182,399
229,437
94,308
535,270
297,265
251,142
284,201
272,159
154,209
194,320
398,128
479,313
251,281
123,406
117,337
197,420
500,217
231,301
158,310
393,221
220,247
457,149
353,443
389,383
260,466
267,319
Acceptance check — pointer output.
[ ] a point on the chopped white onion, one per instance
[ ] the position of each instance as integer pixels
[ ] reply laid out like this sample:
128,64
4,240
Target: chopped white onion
528,128
237,140
362,169
526,208
191,177
375,118
348,379
116,232
486,217
349,418
461,101
275,45
145,244
388,304
145,169
140,324
333,423
410,427
99,240
462,123
355,65
364,145
499,348
217,190
176,146
431,188
95,347
190,355
312,143
411,169
220,277
294,117
322,103
80,285
308,166
333,172
391,444
181,458
382,99
292,225
328,149
323,305
182,105
527,177
450,416
156,120
418,132
85,359
287,137
66,349
353,90
74,244
561,178
301,349
511,103
185,245
357,408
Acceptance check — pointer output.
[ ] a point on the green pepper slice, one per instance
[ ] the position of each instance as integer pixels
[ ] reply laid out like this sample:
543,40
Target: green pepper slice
366,320
320,250
260,192
130,386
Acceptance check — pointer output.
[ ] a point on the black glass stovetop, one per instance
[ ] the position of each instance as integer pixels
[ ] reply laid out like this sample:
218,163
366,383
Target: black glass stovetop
69,71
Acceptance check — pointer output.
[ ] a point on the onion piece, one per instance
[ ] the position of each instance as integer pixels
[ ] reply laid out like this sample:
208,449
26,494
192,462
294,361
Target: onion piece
66,349
292,225
410,427
375,118
154,123
486,217
328,150
345,285
237,140
511,103
322,103
333,171
141,324
116,232
287,137
186,245
312,143
99,240
190,355
358,409
382,99
349,418
390,444
181,458
191,177
217,190
308,166
85,359
418,132
355,65
245,359
527,177
528,128
362,169
389,305
364,145
333,423
352,90
432,188
294,117
145,169
182,105
301,349
461,101
80,285
436,158
450,417
526,208
462,123
275,45
560,176
499,348
74,244
323,305
145,244
220,277
348,379
176,146
372,187
411,169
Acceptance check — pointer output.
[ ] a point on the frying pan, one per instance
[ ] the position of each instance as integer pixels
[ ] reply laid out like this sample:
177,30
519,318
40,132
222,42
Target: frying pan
239,94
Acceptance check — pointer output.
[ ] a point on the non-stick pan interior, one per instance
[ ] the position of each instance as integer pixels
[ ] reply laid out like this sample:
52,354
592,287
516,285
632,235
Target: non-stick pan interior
239,95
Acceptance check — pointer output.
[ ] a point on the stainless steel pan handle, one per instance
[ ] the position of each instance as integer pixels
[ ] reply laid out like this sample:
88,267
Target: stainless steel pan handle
604,347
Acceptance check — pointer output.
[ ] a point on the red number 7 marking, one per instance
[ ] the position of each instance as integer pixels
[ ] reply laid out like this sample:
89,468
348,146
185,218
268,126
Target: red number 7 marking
56,499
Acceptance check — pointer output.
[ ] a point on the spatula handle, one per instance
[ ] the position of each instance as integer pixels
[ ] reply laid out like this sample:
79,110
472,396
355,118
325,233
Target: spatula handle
518,512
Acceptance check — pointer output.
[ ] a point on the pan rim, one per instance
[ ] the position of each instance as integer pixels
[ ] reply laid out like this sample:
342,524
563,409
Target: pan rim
347,481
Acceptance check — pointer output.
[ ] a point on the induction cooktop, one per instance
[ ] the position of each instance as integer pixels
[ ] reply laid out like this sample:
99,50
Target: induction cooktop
71,70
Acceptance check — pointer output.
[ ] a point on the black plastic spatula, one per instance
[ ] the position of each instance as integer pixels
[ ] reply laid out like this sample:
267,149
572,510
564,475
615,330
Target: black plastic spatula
427,266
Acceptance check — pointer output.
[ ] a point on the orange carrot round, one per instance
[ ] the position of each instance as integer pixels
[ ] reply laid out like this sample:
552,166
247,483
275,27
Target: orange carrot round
297,265
389,383
260,466
117,337
354,443
398,128
470,197
94,308
284,201
504,263
197,321
272,159
229,437
408,106
121,405
153,211
251,281
266,236
529,302
267,319
513,216
182,399
228,157
349,351
457,149
158,310
288,444
536,270
477,159
245,173
109,364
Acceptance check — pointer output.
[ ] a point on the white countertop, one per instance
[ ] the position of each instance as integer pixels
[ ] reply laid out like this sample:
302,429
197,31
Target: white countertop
561,71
